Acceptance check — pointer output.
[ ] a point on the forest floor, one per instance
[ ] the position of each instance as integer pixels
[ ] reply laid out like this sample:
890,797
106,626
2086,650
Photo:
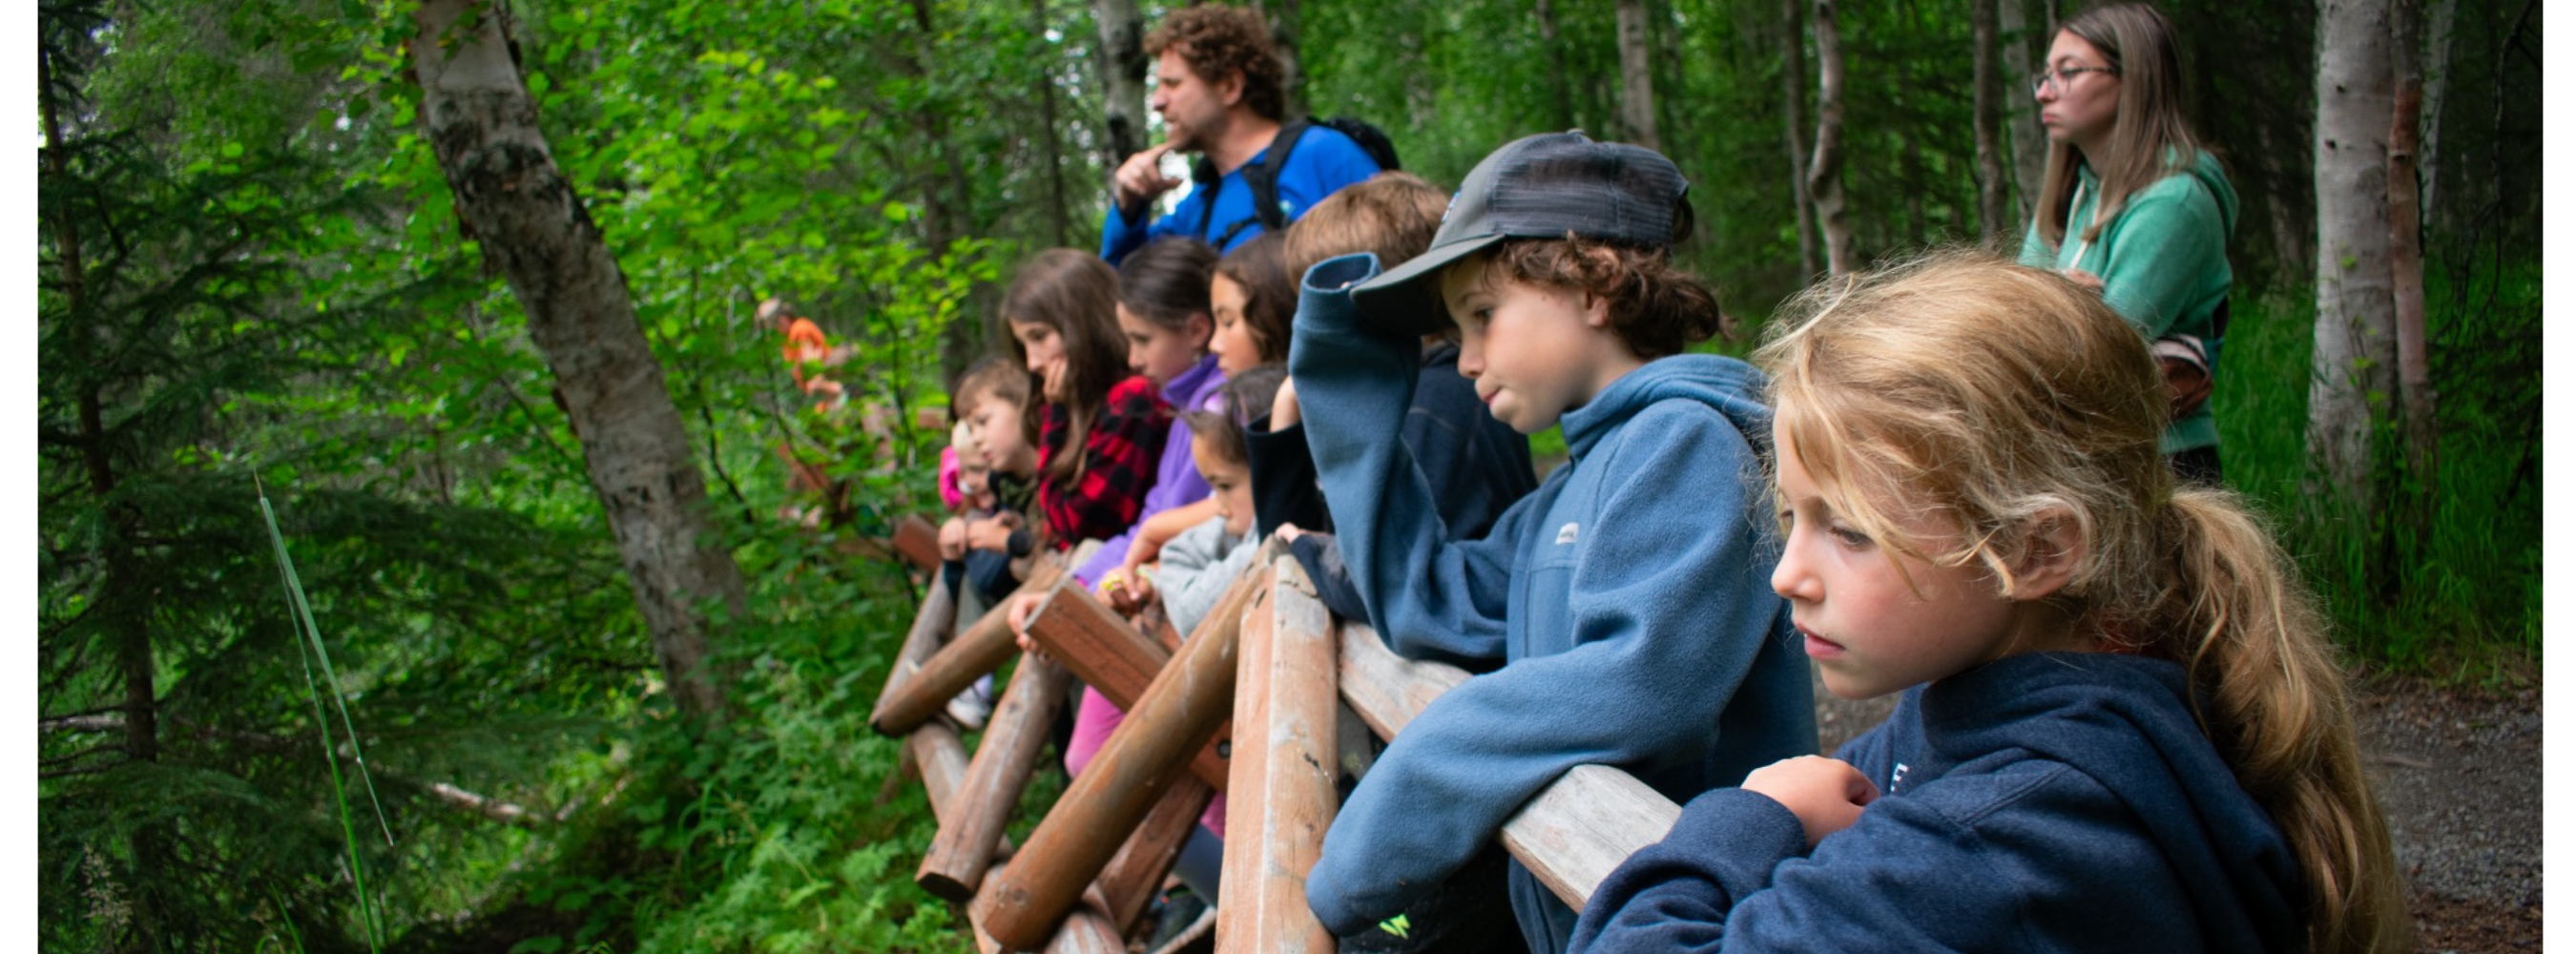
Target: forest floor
2458,772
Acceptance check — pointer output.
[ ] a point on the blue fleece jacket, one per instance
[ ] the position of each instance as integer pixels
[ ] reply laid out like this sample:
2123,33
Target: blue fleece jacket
1323,161
2043,802
1629,597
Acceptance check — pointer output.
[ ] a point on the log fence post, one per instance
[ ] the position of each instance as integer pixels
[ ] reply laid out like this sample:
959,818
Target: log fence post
1286,699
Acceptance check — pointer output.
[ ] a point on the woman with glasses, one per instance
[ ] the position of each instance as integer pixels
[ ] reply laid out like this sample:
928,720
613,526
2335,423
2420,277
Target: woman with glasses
2133,206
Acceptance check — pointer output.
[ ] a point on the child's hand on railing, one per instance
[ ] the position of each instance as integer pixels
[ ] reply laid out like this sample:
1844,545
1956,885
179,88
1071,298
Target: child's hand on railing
1023,607
952,539
1826,794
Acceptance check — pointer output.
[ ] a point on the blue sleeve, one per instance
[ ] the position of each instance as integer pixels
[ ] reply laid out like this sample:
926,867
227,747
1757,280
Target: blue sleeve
1118,236
1323,161
1428,597
1668,606
1674,895
2035,856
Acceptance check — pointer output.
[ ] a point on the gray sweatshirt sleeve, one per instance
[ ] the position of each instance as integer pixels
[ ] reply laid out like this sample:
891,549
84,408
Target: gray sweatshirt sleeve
1196,568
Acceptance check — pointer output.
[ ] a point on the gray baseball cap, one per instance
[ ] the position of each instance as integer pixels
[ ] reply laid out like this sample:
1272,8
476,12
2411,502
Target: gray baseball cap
1543,186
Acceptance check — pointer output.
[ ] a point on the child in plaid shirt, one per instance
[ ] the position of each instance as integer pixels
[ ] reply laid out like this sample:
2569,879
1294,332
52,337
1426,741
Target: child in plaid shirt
1102,428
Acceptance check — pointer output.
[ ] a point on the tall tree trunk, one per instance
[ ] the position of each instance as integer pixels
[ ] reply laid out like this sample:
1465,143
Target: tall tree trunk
1122,78
1637,76
2022,50
2437,81
482,125
2406,253
1825,171
1793,97
1059,223
1284,34
1556,81
120,602
2355,354
1994,220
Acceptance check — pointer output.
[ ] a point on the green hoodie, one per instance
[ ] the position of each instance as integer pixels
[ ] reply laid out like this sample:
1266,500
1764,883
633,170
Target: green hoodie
2163,263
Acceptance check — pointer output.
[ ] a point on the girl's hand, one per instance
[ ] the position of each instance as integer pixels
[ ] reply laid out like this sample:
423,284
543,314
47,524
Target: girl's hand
952,539
1287,533
1826,794
1024,606
2090,281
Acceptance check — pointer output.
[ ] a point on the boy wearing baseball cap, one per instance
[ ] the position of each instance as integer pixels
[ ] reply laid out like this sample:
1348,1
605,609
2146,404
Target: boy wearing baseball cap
1628,598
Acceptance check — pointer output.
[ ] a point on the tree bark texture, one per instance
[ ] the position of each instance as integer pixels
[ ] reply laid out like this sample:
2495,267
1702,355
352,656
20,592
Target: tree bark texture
2022,49
2406,243
1994,220
482,125
1122,78
2436,76
2355,354
1825,171
1793,108
1637,76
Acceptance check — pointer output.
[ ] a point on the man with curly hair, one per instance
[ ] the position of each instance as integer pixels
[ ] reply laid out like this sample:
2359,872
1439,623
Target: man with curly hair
1218,85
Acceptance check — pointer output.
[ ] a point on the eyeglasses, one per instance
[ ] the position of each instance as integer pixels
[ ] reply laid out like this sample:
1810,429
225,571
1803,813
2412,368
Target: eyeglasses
2064,76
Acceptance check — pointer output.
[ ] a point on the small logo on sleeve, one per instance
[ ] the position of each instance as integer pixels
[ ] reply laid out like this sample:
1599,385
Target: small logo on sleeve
1565,534
1896,779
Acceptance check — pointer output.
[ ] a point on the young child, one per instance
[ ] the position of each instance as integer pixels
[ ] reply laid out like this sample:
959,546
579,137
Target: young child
1102,428
1625,596
1198,565
2122,729
1475,465
992,399
1163,314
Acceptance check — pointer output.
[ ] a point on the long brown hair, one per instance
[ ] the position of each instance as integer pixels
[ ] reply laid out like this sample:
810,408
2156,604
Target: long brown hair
1993,398
2149,138
1260,268
1075,293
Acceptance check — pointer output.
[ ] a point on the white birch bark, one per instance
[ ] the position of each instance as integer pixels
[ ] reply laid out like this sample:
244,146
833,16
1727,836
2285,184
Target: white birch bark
2355,361
482,125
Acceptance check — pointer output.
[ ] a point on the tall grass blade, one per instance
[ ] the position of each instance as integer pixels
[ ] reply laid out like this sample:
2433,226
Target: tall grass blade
313,634
302,614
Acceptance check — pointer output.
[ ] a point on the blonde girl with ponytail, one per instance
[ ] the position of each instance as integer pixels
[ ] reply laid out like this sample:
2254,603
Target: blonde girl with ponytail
2122,728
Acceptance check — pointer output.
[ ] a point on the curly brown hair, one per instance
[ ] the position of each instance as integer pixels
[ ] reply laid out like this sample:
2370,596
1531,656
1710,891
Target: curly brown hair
1656,307
1216,40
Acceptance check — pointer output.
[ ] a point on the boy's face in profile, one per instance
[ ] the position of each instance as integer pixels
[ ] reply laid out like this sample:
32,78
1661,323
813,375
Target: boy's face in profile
1534,351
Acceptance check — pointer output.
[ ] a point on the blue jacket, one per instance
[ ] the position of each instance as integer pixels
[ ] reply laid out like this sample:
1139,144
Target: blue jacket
2043,802
1322,163
1629,597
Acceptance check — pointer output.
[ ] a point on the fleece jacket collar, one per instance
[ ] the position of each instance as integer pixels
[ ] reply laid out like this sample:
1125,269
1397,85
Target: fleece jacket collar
1729,385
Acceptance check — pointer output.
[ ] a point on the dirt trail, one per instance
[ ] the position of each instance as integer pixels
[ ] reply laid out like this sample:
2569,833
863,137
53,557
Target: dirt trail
2458,773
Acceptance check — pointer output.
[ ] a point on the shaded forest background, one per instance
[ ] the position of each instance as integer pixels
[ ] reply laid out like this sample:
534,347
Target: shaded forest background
255,279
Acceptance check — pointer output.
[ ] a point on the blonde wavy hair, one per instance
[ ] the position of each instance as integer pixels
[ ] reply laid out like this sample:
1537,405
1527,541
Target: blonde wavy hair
1990,399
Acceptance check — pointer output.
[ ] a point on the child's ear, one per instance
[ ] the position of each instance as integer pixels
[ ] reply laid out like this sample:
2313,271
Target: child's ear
1596,310
2049,560
1199,328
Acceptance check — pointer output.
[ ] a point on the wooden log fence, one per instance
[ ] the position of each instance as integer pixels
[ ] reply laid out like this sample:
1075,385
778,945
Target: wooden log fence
1298,685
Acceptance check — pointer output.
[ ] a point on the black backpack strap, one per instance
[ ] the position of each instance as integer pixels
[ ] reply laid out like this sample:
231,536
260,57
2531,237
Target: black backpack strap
1203,175
1263,176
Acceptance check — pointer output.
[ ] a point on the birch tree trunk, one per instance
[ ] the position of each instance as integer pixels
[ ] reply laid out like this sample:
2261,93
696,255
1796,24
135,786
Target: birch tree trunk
1994,219
1825,171
2406,250
1556,64
2355,355
1637,76
1122,78
482,125
1793,97
2022,51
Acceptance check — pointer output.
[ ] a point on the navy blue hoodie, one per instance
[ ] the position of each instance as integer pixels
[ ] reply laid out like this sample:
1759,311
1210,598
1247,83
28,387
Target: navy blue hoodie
1629,597
2042,802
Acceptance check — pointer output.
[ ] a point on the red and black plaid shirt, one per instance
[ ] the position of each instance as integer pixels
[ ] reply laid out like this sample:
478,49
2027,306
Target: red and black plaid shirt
1105,496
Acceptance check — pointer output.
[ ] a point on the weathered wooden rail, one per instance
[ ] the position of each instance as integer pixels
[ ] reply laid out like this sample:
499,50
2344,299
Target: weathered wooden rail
1295,681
